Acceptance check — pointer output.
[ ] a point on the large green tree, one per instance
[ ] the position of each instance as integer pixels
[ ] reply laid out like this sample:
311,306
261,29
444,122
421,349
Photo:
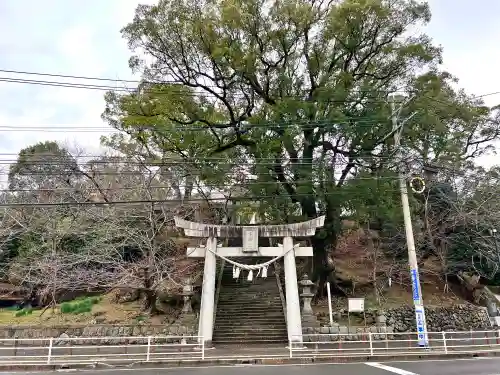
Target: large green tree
294,91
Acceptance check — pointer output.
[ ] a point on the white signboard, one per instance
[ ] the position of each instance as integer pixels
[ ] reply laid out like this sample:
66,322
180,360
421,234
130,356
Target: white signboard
356,304
421,329
250,239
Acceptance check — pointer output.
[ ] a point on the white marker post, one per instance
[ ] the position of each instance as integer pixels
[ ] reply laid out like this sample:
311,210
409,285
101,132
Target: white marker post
329,293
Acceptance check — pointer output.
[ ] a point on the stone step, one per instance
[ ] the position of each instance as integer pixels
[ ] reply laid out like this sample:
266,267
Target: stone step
236,326
259,332
255,305
249,309
257,302
246,293
263,300
257,335
251,305
242,313
269,322
257,316
235,310
257,320
255,331
247,340
252,286
261,322
250,297
260,282
234,336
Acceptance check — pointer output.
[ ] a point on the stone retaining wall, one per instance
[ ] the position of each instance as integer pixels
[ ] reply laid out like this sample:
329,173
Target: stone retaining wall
346,333
32,332
453,318
402,319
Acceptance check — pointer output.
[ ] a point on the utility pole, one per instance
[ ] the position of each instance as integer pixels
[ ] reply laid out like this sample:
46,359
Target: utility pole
412,255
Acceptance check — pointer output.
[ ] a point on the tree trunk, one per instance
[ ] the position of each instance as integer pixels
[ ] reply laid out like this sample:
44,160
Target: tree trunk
324,267
150,296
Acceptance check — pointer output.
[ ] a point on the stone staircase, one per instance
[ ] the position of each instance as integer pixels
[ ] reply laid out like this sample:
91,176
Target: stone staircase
249,312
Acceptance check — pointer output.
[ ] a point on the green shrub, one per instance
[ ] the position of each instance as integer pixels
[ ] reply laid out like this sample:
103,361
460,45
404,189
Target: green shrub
66,308
82,309
79,305
24,312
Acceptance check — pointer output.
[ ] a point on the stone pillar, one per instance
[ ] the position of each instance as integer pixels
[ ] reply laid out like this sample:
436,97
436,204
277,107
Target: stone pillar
293,319
206,324
308,318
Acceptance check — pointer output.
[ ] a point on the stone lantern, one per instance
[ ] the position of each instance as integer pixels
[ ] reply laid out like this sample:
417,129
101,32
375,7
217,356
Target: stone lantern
187,293
308,317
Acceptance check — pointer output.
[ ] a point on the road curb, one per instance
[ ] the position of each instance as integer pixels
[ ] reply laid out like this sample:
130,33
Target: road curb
238,362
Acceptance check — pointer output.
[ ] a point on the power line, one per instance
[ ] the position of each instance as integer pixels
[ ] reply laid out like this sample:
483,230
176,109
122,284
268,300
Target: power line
58,159
156,91
243,126
158,82
52,159
250,183
68,174
114,88
153,201
172,82
180,162
72,76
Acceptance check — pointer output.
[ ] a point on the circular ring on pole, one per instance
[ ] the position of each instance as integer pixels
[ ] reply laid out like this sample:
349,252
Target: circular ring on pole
420,188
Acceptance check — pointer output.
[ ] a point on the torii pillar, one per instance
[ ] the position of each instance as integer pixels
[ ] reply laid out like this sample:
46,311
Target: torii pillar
250,235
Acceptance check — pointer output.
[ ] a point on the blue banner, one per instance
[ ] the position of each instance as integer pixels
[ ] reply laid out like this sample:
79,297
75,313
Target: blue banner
414,285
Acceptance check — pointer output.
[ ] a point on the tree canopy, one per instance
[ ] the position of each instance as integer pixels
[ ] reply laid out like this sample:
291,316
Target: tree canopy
296,93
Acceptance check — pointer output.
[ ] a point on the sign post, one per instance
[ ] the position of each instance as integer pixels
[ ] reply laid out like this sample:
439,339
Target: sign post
355,305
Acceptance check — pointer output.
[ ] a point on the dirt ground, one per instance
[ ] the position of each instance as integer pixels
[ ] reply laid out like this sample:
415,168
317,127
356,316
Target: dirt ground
106,311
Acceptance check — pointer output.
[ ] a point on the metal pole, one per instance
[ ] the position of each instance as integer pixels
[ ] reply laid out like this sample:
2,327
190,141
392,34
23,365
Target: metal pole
412,255
329,293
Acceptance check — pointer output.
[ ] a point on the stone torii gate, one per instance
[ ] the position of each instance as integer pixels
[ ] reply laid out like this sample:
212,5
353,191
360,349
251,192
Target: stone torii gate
250,235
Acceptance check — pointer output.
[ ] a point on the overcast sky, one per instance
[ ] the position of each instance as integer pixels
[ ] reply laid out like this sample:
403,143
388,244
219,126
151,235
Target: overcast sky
76,37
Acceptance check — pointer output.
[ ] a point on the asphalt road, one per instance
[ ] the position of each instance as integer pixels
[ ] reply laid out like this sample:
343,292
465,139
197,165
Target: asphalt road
482,366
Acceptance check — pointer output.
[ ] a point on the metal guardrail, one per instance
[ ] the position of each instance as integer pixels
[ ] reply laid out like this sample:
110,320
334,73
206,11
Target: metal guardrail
114,350
394,344
82,350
